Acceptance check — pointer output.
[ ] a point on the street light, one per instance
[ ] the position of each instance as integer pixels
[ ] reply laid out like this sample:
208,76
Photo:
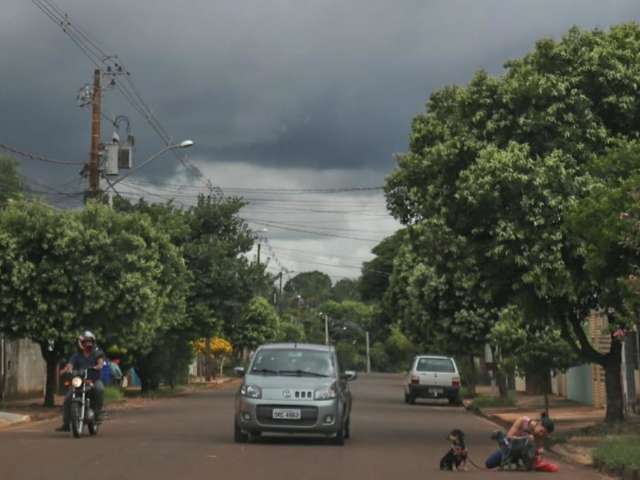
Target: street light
183,144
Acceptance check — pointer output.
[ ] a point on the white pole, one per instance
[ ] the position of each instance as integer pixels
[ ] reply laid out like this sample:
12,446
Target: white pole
326,330
368,354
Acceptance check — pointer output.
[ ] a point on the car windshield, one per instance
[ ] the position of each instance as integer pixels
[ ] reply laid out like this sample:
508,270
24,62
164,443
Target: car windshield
293,362
439,365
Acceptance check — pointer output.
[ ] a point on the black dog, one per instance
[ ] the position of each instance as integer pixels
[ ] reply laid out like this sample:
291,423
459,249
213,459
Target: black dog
457,454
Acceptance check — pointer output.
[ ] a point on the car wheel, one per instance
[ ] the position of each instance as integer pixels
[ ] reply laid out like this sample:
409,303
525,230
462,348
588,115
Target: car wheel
347,428
406,397
412,399
255,436
238,435
455,401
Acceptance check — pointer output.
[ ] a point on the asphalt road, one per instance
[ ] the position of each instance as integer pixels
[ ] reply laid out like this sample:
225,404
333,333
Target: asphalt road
191,438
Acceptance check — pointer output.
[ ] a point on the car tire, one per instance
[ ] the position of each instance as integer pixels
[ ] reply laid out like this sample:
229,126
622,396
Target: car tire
255,436
406,397
412,399
347,428
455,401
238,435
339,438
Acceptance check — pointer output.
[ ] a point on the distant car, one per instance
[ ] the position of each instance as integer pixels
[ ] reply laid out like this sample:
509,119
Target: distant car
433,376
294,388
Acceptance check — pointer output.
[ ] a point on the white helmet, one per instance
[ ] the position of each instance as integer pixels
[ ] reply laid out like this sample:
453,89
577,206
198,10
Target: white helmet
87,335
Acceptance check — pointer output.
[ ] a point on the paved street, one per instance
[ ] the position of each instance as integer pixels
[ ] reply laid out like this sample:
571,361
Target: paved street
191,438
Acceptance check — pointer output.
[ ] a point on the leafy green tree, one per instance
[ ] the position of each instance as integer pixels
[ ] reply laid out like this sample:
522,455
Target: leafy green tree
11,184
525,347
291,331
346,289
312,288
399,348
97,269
259,323
376,272
500,162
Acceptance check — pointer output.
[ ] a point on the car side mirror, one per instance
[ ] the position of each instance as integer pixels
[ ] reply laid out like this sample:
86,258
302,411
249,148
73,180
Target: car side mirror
350,375
239,371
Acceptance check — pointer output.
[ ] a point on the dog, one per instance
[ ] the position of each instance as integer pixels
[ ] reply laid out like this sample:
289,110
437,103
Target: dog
456,457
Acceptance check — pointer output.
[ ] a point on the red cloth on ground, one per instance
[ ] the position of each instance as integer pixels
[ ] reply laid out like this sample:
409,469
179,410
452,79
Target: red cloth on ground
542,466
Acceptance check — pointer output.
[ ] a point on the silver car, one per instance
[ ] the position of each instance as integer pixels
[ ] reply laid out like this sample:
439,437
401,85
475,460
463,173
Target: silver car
294,388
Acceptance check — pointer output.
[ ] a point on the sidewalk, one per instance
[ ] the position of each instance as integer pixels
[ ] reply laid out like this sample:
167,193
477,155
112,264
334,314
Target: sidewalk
566,414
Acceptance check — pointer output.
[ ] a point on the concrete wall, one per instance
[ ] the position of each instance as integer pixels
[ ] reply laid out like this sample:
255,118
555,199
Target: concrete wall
24,369
579,384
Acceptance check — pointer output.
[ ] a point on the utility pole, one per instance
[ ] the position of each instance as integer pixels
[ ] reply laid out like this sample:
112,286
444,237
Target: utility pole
368,353
94,160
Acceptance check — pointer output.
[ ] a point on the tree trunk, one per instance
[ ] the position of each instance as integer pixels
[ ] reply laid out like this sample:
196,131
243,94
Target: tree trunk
207,356
51,359
472,381
613,383
501,380
538,383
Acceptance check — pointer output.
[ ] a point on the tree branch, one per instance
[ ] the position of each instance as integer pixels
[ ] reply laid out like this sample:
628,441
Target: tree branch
586,349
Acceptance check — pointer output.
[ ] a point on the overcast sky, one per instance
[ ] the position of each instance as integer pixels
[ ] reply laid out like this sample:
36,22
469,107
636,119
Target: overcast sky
276,93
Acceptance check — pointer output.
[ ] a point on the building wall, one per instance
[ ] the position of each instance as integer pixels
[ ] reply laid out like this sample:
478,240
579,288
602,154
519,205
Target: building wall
24,369
579,384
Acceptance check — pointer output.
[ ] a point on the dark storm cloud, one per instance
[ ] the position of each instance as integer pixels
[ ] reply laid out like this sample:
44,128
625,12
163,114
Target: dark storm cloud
307,84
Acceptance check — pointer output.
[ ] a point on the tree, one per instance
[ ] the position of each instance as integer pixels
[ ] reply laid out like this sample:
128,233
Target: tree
259,324
63,272
11,184
500,162
346,289
312,288
525,347
376,272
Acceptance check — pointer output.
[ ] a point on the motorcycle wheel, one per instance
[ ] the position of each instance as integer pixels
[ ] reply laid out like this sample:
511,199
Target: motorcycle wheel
92,426
77,423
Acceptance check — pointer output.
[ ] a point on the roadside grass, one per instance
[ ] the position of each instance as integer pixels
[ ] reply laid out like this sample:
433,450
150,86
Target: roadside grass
619,454
113,394
485,401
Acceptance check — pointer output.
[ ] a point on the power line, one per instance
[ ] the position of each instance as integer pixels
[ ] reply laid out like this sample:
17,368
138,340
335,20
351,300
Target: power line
34,156
313,232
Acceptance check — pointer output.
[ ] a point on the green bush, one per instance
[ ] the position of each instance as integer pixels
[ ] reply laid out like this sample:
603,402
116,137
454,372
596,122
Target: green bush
491,402
112,394
620,453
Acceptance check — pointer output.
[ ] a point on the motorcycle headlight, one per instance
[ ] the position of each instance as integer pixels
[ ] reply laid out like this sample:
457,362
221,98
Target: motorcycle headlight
251,391
76,382
326,393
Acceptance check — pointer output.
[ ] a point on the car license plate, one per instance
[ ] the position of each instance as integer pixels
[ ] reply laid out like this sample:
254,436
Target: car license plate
436,391
287,414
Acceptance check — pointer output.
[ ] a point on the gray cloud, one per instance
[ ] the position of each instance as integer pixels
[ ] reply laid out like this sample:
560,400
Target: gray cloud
281,83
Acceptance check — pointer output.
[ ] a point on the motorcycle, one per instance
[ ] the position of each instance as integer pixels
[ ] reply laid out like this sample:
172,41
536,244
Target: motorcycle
81,412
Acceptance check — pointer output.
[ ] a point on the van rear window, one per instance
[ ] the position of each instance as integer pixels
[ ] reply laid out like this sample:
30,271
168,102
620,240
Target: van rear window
440,365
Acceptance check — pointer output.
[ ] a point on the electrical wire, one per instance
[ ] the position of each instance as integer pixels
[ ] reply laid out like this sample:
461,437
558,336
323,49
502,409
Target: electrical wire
33,156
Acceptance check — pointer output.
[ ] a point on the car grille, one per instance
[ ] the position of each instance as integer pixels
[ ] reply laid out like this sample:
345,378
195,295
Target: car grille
264,414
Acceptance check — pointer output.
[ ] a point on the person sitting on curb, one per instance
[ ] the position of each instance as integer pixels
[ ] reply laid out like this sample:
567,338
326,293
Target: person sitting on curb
536,430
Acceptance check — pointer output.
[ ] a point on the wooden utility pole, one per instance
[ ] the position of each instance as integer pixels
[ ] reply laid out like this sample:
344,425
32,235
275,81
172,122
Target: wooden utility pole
94,160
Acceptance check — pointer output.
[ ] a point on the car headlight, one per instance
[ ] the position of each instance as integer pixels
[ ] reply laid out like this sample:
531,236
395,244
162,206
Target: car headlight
76,382
326,393
251,391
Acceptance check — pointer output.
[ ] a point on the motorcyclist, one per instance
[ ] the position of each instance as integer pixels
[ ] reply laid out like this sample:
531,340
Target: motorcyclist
92,358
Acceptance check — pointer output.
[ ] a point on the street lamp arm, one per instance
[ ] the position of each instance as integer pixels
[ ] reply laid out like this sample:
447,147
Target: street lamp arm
184,144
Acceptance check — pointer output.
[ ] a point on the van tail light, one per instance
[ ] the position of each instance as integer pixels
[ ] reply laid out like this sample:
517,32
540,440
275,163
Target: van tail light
415,379
455,383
